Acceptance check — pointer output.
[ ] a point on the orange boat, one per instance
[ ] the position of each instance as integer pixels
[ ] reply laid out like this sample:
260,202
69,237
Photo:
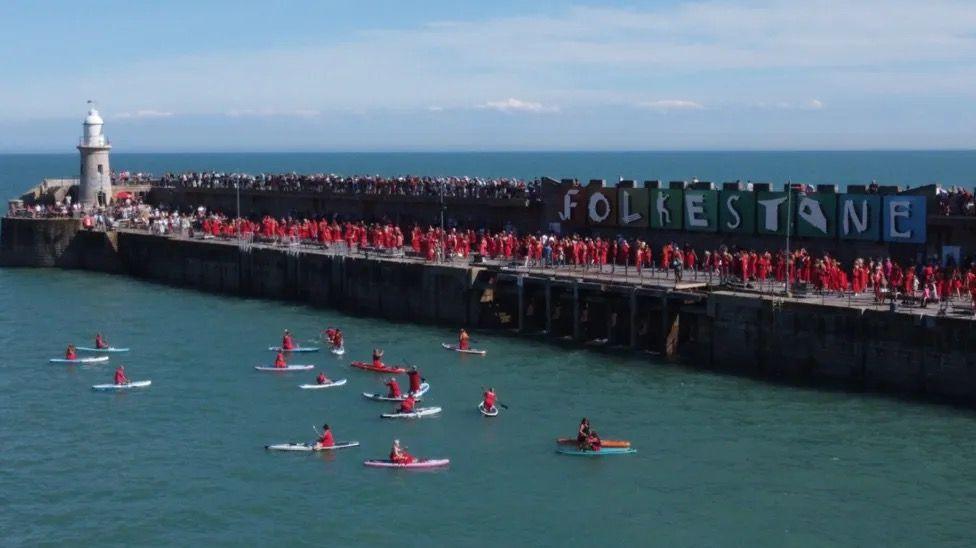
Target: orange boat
603,443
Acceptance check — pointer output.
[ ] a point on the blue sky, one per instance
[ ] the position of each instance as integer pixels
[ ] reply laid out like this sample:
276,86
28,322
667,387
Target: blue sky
501,75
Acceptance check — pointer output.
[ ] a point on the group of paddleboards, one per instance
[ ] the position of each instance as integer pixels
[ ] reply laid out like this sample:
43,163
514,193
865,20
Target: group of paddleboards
120,381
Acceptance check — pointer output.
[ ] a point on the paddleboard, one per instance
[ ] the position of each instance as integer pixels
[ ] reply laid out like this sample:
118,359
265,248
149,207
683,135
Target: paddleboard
603,452
338,351
416,414
98,359
107,350
115,387
492,413
285,369
468,351
296,349
308,448
424,387
339,382
604,443
428,463
384,369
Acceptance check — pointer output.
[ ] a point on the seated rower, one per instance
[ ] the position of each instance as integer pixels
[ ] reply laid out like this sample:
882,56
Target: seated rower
399,454
70,354
378,357
489,400
407,405
326,439
280,360
463,340
100,342
394,388
120,377
287,343
322,379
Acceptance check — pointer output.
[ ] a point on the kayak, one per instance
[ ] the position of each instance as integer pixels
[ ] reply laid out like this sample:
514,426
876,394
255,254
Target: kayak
338,351
296,349
109,349
455,348
339,382
115,387
604,443
285,369
493,412
384,369
424,387
427,463
310,447
605,451
98,359
417,413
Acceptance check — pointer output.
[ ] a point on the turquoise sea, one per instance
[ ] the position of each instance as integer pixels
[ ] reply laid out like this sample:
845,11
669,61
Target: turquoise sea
722,461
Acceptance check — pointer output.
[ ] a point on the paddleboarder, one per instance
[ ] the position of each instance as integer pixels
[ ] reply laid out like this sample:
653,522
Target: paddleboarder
326,439
322,379
100,342
337,339
287,343
586,438
407,405
120,377
378,357
489,400
415,380
280,360
463,340
399,455
69,353
394,388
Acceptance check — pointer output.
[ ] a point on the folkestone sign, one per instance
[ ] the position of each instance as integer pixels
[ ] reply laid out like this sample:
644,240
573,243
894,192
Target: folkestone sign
896,218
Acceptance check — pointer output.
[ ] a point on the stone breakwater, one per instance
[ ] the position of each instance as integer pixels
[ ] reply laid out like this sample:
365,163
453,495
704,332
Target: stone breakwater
794,340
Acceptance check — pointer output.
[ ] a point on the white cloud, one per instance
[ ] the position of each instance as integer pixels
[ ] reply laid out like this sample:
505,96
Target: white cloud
665,105
146,113
517,105
435,108
272,113
814,104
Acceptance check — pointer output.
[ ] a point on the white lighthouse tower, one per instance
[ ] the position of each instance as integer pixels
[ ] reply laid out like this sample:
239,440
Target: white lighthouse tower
95,187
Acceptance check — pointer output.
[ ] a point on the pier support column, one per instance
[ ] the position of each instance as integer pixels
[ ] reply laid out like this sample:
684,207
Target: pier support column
521,304
633,318
576,312
669,329
548,308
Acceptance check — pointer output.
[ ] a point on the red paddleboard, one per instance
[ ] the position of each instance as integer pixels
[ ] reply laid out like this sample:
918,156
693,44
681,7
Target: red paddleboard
384,369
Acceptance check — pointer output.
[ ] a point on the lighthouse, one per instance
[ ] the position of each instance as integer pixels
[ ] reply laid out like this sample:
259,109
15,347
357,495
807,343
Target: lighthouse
95,186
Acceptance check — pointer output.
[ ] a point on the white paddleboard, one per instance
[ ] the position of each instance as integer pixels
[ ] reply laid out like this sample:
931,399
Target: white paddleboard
338,351
117,387
285,369
417,413
296,349
308,448
107,350
492,413
468,351
339,382
424,387
98,359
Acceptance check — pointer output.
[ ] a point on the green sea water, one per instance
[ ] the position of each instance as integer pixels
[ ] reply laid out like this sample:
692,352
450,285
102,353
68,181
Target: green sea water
722,461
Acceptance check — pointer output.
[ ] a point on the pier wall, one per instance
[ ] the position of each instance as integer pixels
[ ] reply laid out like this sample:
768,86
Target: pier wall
797,341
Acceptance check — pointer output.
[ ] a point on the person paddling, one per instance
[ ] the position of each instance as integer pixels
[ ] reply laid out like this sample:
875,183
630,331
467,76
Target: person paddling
330,334
399,455
463,340
378,357
287,343
586,438
280,360
325,439
415,380
489,400
100,342
407,405
70,353
120,377
337,339
322,379
394,388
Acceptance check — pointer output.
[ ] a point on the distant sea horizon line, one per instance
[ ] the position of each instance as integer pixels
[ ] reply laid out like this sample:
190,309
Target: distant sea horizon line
505,151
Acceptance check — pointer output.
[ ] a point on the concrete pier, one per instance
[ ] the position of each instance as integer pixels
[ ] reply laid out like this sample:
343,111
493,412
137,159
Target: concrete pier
803,340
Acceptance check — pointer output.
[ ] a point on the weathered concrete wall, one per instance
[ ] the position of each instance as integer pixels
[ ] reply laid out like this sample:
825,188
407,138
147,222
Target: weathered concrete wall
854,347
56,242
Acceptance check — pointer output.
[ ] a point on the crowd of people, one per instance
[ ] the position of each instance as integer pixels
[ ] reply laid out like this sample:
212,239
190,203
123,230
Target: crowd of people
956,201
460,187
